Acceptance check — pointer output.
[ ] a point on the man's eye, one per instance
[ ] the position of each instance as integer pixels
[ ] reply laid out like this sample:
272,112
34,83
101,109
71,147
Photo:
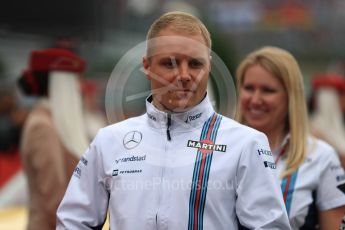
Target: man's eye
196,64
168,64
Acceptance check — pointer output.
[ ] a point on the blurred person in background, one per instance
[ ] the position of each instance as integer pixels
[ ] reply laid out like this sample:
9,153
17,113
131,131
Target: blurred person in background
272,100
13,192
154,171
327,109
9,127
94,116
54,136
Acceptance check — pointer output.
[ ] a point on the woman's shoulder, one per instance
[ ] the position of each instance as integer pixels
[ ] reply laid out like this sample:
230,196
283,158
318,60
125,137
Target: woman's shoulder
319,149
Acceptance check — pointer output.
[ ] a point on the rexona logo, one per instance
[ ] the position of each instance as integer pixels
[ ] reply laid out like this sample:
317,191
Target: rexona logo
151,117
192,118
206,146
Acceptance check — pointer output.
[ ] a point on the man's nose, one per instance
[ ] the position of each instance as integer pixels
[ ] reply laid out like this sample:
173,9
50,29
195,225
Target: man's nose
184,72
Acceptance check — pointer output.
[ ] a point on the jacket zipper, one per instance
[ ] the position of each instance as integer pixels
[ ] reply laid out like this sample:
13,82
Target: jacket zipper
168,127
163,168
157,221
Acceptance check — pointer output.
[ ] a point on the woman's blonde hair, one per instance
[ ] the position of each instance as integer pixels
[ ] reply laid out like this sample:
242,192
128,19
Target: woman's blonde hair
179,22
283,65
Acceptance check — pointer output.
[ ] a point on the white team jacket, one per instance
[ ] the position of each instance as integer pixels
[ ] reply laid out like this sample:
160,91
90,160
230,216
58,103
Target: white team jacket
317,185
194,170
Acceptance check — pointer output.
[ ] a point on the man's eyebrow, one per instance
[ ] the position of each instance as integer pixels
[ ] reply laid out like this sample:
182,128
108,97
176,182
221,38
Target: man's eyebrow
200,59
166,58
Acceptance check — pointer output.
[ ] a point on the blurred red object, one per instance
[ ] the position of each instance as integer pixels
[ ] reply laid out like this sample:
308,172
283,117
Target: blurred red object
10,164
330,80
89,87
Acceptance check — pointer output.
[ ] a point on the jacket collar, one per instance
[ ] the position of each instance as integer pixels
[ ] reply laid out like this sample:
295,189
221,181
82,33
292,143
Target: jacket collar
192,118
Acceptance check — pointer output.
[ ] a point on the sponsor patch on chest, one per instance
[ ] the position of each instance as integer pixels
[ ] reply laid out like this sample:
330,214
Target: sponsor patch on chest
206,146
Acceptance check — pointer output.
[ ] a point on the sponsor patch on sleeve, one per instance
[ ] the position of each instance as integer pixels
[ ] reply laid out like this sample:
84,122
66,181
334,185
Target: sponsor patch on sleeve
264,152
269,165
77,172
266,157
78,169
84,161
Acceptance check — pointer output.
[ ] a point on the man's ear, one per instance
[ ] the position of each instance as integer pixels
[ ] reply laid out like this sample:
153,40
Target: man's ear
146,65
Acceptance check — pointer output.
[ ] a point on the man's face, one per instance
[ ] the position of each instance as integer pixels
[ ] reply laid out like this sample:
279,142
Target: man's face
178,68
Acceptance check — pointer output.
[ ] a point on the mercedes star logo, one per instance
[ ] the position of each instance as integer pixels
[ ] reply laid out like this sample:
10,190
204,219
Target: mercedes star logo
132,139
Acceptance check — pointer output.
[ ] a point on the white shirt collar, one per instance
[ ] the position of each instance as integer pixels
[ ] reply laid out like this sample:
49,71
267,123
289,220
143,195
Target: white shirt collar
192,118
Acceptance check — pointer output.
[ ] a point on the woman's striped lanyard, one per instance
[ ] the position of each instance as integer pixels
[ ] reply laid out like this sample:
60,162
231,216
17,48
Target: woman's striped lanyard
288,183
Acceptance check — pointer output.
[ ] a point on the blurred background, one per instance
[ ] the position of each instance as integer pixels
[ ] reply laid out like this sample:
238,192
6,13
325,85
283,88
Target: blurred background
102,31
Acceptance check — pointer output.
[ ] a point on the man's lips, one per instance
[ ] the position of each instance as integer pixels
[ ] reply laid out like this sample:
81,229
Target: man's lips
181,91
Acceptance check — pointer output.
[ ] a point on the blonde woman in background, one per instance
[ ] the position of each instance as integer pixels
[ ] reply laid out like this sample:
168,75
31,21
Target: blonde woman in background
272,100
54,136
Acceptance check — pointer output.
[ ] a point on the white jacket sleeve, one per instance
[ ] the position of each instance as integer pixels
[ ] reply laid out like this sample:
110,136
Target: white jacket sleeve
331,187
85,203
259,204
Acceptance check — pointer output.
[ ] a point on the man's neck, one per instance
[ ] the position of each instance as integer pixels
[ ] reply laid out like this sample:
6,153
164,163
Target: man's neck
163,108
160,106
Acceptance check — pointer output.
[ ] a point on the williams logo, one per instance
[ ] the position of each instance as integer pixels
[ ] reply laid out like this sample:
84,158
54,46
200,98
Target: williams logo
206,146
132,139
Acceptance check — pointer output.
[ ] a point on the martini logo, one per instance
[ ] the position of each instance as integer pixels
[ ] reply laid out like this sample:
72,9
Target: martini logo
206,146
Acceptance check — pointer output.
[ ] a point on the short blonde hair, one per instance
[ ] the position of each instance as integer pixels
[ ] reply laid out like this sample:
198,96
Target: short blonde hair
284,66
179,22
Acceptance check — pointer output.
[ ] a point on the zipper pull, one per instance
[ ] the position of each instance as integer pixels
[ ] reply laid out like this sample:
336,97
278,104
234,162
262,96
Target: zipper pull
168,127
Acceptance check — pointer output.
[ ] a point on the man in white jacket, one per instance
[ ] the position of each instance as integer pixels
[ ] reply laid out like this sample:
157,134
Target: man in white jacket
180,165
